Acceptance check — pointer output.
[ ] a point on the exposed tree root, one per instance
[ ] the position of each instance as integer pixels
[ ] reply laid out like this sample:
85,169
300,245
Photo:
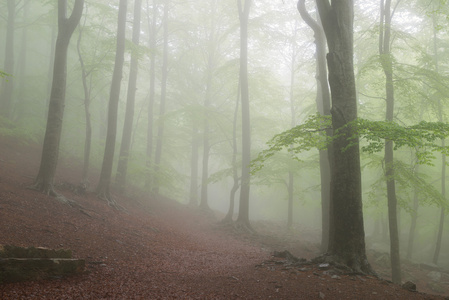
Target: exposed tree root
352,267
244,227
110,201
49,190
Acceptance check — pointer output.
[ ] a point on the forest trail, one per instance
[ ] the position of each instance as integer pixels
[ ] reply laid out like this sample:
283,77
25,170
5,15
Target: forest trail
157,249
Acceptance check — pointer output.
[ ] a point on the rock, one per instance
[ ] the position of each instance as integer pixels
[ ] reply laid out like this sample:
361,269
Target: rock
434,276
322,296
409,286
436,287
22,264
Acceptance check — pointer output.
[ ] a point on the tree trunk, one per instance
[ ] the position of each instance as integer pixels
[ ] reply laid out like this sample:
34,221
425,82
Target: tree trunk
386,61
243,217
207,99
194,167
122,168
8,83
160,129
235,177
50,152
88,136
20,107
413,221
443,156
108,158
347,234
149,150
51,65
324,107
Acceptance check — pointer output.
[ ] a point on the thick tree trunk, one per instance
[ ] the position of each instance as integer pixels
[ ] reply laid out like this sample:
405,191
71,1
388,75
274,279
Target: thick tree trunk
413,221
160,129
243,217
323,105
149,150
347,234
103,188
8,83
125,146
50,151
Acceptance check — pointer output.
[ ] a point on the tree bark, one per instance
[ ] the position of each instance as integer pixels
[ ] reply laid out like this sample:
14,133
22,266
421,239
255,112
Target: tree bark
150,125
125,146
243,217
347,234
235,177
193,200
324,106
387,65
50,152
103,188
160,129
436,254
86,102
8,83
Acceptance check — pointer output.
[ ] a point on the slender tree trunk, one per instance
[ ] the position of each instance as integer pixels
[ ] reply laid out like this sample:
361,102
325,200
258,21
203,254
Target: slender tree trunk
122,167
19,108
413,221
243,217
323,105
149,150
50,152
86,102
443,156
207,99
8,83
347,234
103,188
160,131
51,64
194,167
235,177
387,65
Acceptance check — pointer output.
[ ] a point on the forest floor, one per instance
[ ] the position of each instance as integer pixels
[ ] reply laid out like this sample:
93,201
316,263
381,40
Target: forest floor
160,249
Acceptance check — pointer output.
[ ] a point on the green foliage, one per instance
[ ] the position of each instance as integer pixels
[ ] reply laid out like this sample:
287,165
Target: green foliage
4,74
422,136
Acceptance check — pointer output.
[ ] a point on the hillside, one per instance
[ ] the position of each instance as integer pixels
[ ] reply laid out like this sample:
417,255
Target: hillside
157,248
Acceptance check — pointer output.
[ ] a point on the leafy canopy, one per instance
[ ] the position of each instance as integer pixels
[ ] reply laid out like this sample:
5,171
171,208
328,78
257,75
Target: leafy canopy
422,136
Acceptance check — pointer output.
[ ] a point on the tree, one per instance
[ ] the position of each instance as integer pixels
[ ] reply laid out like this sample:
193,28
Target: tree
50,152
324,108
160,129
387,65
106,169
347,234
130,103
243,217
7,83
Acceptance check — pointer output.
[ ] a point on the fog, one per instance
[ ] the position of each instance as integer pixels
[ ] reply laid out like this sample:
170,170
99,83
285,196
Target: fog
201,94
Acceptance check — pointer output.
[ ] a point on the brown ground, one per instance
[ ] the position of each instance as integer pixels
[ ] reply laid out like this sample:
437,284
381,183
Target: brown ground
158,249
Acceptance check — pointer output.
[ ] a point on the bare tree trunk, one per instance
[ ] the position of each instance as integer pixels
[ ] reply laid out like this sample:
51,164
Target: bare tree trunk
323,105
19,107
160,130
207,99
235,177
88,136
50,152
122,168
194,167
8,83
414,218
243,217
347,234
51,65
149,152
387,65
103,188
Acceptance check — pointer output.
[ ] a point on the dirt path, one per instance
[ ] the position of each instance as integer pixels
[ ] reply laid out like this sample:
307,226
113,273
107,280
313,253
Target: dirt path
157,249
